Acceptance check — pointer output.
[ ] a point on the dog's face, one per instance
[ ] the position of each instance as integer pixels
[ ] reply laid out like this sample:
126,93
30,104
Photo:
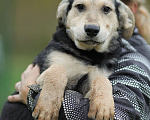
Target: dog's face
92,24
89,25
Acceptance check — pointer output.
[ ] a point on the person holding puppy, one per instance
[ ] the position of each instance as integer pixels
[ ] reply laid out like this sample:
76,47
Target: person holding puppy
130,81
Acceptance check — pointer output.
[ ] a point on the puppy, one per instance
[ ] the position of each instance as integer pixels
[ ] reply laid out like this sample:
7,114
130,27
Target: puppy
82,55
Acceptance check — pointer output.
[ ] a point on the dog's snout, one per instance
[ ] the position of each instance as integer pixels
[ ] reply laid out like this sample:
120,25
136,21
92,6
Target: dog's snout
91,30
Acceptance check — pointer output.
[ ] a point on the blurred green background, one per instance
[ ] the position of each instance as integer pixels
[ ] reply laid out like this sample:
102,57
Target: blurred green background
26,27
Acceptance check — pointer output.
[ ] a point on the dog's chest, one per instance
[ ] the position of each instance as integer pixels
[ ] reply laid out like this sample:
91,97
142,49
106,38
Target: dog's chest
75,68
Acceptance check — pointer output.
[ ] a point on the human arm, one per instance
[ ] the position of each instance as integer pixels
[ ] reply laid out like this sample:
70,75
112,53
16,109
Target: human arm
131,90
131,83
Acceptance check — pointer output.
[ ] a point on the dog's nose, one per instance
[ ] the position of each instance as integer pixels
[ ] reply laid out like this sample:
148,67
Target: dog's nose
91,30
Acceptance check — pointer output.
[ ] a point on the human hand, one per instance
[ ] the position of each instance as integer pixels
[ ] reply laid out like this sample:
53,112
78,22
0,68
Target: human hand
28,77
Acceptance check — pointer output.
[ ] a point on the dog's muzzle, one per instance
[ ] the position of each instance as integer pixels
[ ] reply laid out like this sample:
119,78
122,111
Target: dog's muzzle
91,30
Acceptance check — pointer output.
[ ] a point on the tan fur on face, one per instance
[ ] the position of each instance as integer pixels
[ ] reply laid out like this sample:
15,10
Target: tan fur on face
108,23
94,15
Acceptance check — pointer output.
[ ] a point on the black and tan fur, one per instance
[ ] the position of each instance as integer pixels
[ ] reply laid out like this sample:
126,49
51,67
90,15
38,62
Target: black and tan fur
82,55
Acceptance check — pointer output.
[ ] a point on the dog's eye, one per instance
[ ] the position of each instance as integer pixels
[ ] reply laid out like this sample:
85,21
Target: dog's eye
106,9
80,7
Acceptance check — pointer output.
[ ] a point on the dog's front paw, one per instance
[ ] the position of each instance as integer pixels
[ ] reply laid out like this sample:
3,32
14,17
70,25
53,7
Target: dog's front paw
101,100
47,107
101,108
51,96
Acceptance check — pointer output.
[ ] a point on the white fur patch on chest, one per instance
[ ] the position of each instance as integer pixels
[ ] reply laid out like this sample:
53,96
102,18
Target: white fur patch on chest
74,67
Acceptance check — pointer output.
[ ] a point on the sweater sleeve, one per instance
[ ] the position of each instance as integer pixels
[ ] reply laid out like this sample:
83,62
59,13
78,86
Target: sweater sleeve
131,86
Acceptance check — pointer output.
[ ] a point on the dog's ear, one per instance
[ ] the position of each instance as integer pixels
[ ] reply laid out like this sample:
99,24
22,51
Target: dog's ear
126,19
62,12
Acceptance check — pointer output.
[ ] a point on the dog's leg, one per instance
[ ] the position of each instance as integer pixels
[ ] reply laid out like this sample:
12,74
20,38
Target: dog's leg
51,96
101,99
